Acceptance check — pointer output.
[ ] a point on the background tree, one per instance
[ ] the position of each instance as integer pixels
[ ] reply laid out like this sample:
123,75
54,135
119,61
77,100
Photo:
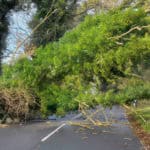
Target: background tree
5,6
60,20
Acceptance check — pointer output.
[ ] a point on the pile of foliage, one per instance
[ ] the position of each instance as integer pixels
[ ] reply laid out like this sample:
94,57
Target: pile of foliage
88,63
15,103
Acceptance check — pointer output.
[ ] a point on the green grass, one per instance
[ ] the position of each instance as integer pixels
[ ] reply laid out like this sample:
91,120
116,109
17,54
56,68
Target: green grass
143,110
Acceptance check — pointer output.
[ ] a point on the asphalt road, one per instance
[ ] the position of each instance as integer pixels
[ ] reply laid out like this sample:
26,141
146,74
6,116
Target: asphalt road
28,137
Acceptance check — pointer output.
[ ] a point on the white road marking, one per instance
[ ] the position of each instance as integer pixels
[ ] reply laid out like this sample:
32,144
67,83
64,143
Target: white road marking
57,129
53,132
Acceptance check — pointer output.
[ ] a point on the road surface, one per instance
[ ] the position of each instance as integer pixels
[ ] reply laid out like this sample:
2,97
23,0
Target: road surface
28,137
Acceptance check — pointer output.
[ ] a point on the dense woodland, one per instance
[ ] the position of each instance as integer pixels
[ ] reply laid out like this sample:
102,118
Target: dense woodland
100,58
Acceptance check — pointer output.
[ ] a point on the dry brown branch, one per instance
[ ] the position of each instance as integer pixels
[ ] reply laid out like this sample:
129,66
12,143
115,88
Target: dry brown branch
84,108
90,120
3,125
84,125
88,117
129,31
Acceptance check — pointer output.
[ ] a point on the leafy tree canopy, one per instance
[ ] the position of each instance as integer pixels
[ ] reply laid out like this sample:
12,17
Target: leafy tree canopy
92,57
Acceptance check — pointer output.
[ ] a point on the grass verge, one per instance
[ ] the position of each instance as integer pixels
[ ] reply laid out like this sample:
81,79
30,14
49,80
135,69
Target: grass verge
140,122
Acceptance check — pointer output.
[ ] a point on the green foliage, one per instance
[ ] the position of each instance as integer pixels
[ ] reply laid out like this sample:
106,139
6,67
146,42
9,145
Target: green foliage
128,94
60,112
142,115
57,97
107,99
132,92
84,61
146,114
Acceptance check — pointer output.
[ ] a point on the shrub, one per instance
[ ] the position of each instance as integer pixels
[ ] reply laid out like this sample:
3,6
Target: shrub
16,103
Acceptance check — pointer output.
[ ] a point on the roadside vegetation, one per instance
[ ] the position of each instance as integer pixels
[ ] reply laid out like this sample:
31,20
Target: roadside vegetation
139,118
143,114
5,7
100,61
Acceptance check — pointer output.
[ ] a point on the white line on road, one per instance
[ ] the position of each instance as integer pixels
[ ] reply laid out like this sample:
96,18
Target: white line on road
57,129
53,132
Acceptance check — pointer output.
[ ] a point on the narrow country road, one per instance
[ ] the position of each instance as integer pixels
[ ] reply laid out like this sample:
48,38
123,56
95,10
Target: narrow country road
28,137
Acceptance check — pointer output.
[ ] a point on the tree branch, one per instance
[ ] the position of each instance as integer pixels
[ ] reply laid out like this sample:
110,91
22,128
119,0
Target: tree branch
129,31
